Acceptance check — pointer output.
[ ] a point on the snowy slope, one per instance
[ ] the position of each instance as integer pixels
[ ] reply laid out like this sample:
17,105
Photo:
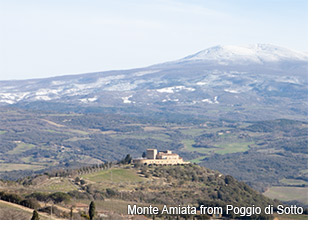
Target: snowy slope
251,54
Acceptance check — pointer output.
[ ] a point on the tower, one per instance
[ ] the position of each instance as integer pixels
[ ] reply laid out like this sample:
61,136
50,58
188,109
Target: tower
151,153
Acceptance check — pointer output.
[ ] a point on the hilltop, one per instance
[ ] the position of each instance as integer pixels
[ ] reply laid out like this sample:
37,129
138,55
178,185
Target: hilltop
113,187
247,55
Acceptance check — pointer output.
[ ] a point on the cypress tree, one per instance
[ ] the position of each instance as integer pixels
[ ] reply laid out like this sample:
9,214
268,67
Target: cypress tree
71,213
35,216
92,210
144,155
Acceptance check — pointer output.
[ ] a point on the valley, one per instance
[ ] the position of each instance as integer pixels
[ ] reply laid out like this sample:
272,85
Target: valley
253,152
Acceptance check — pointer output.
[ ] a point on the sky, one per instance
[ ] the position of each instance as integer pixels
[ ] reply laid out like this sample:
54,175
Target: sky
47,38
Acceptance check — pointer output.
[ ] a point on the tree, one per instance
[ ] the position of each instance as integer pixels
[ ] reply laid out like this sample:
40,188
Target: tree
35,216
30,203
127,159
58,197
92,210
144,155
77,179
71,213
82,182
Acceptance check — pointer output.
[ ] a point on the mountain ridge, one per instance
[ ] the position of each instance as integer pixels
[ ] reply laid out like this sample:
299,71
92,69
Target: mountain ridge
187,82
256,53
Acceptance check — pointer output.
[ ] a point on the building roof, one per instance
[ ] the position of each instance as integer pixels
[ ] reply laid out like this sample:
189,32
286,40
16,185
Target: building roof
166,154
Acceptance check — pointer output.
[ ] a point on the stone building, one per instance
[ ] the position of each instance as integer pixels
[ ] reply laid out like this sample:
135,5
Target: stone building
162,157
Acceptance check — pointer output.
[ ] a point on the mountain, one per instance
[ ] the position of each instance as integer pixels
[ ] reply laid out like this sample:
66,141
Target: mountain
240,83
247,55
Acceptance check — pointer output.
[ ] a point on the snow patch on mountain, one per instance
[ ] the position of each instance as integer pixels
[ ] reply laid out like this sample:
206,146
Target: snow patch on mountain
210,101
142,73
231,90
58,82
41,92
10,102
43,98
122,86
174,89
126,99
256,54
207,100
288,79
12,98
201,83
88,100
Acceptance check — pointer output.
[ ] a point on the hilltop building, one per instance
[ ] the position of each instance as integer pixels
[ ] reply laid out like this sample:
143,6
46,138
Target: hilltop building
162,157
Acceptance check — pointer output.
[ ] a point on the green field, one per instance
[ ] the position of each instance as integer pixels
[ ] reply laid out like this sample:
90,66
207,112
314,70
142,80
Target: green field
20,148
15,167
293,182
74,139
157,136
288,193
56,185
79,132
113,175
54,131
198,160
220,149
2,132
200,131
234,147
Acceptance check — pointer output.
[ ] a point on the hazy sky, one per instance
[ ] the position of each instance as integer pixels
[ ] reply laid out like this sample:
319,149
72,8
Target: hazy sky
48,38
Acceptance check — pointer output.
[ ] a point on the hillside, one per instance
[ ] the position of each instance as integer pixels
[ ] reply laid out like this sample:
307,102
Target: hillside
114,188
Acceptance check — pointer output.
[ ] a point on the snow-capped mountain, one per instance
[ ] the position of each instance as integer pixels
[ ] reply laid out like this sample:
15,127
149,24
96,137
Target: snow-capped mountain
247,55
252,81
